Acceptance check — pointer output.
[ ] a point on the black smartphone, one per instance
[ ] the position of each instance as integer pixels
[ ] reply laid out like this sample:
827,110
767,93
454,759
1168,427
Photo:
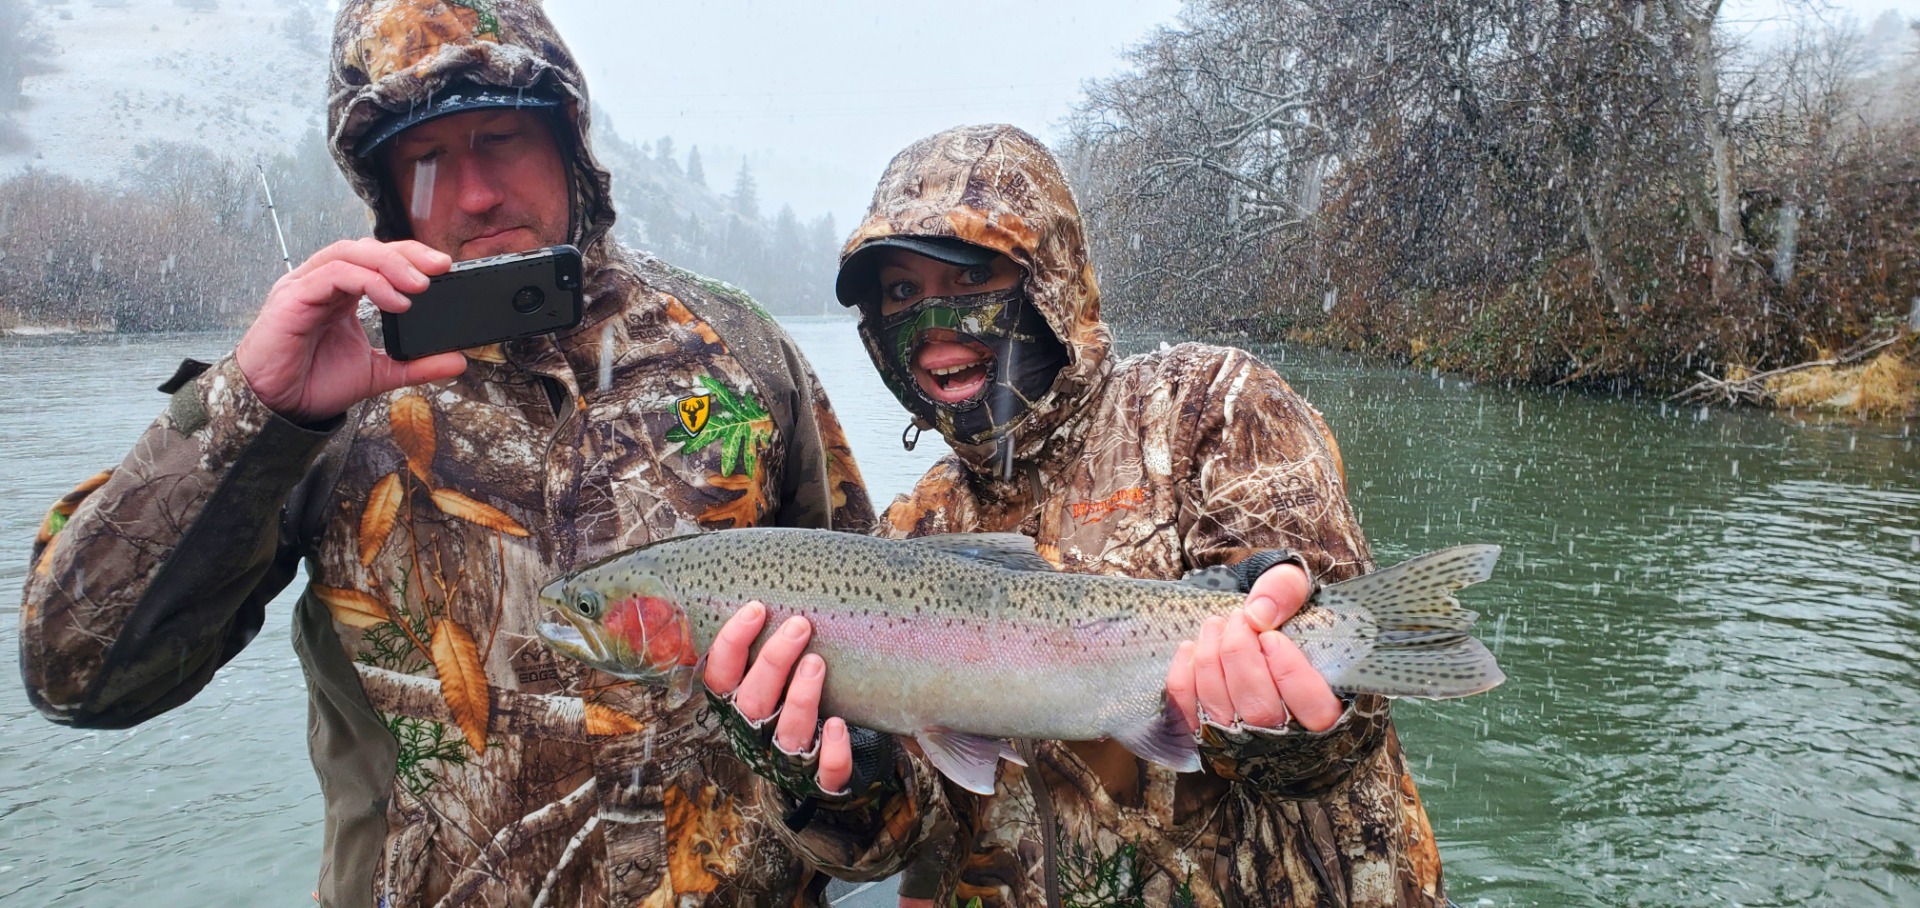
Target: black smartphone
489,300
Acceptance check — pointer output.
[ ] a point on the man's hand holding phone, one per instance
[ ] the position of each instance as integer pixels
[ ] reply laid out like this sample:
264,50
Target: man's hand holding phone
307,356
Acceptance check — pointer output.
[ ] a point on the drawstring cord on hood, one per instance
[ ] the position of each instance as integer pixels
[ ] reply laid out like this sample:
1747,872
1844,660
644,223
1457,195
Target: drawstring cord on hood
1005,442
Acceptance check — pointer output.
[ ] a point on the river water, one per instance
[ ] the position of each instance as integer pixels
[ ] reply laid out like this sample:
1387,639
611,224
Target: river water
1708,620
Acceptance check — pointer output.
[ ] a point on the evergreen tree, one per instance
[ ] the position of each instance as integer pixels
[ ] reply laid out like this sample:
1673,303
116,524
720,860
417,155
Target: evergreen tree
788,244
696,173
746,196
663,152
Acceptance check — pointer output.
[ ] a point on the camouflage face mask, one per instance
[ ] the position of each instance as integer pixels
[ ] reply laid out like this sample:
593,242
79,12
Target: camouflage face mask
1025,358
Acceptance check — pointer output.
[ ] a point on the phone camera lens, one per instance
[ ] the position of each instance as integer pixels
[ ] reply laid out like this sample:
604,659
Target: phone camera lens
528,299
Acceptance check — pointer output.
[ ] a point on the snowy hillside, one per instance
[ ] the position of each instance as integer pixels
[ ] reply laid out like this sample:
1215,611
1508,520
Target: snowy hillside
241,76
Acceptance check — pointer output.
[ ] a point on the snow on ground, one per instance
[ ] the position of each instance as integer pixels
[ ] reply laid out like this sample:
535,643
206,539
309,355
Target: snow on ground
221,73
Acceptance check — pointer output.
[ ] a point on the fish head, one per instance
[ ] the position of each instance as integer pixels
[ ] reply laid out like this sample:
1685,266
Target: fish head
628,625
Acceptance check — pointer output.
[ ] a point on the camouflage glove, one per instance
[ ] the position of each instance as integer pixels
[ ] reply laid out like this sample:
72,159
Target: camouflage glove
874,756
1251,567
1289,761
1293,762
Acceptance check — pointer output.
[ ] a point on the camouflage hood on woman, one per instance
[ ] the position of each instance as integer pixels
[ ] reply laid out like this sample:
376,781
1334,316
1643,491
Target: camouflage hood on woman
1150,467
977,184
461,761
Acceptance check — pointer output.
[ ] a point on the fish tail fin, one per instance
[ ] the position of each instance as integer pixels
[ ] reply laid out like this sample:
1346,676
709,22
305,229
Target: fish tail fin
1165,739
1423,648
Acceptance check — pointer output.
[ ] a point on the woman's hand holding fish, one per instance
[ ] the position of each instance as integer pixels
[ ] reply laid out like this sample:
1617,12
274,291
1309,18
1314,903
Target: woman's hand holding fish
758,688
1243,669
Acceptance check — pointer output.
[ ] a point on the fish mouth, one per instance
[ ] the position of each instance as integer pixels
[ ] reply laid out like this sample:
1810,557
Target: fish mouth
569,641
950,369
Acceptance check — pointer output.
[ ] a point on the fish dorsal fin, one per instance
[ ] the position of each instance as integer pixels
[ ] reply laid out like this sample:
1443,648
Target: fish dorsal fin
971,761
1008,550
1218,578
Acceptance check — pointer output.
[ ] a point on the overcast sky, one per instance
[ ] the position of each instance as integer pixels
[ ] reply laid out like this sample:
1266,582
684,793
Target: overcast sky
821,94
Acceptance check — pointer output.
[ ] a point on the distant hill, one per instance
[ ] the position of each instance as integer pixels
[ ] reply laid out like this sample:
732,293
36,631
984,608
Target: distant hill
668,207
243,76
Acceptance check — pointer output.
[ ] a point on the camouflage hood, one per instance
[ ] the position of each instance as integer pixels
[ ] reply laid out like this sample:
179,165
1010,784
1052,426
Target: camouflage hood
997,187
392,55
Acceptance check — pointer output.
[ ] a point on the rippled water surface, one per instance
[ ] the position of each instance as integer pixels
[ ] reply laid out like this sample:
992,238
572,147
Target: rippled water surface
1708,620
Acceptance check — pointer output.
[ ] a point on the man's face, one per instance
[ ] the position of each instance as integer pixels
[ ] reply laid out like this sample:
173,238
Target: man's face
482,183
948,368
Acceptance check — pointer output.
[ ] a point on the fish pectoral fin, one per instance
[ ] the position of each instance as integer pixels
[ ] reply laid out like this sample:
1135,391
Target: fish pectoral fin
1008,550
1164,739
680,683
971,761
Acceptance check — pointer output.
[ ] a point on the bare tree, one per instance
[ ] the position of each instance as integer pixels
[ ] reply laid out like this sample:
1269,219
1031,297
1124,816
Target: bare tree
1567,190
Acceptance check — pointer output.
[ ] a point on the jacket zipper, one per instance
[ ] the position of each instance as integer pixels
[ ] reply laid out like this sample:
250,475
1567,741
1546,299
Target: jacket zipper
1049,836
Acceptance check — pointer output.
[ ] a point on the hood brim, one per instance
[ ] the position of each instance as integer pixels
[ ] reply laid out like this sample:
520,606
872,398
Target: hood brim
858,281
454,100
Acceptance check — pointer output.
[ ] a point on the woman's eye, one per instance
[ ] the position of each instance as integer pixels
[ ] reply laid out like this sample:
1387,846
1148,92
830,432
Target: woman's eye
978,274
900,291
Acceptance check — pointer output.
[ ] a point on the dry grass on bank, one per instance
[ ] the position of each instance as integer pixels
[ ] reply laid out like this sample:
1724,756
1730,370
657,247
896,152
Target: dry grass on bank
1887,385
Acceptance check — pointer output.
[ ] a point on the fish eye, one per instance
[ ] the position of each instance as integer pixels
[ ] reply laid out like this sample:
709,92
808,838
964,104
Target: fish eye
589,603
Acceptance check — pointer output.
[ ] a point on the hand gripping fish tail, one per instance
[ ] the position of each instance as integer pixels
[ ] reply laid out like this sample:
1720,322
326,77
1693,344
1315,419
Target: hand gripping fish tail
965,642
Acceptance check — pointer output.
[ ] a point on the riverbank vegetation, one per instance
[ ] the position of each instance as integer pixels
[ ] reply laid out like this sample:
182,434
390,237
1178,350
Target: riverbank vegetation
1624,196
182,241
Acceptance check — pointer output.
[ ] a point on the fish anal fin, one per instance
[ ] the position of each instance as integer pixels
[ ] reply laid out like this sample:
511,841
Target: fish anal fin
971,761
1164,739
1008,550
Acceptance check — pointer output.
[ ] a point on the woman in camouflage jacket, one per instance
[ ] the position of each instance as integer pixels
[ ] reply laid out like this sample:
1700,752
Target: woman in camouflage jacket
1151,467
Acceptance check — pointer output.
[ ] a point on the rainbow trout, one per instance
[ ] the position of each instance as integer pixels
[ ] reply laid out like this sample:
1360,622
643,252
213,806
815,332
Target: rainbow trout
967,640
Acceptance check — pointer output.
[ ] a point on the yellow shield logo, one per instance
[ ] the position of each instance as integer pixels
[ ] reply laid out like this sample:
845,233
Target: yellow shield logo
693,412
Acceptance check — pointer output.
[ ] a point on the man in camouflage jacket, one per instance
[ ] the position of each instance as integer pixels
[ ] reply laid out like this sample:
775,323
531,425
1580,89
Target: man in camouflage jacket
461,762
1151,467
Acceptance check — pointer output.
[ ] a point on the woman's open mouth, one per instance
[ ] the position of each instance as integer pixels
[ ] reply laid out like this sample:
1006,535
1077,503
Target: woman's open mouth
950,369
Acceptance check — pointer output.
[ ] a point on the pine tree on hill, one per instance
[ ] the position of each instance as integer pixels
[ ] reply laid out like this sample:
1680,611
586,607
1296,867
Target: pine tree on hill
663,152
696,172
746,195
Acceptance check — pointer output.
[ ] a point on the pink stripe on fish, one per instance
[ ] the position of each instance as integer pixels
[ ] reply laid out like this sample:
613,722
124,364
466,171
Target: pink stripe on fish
960,640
